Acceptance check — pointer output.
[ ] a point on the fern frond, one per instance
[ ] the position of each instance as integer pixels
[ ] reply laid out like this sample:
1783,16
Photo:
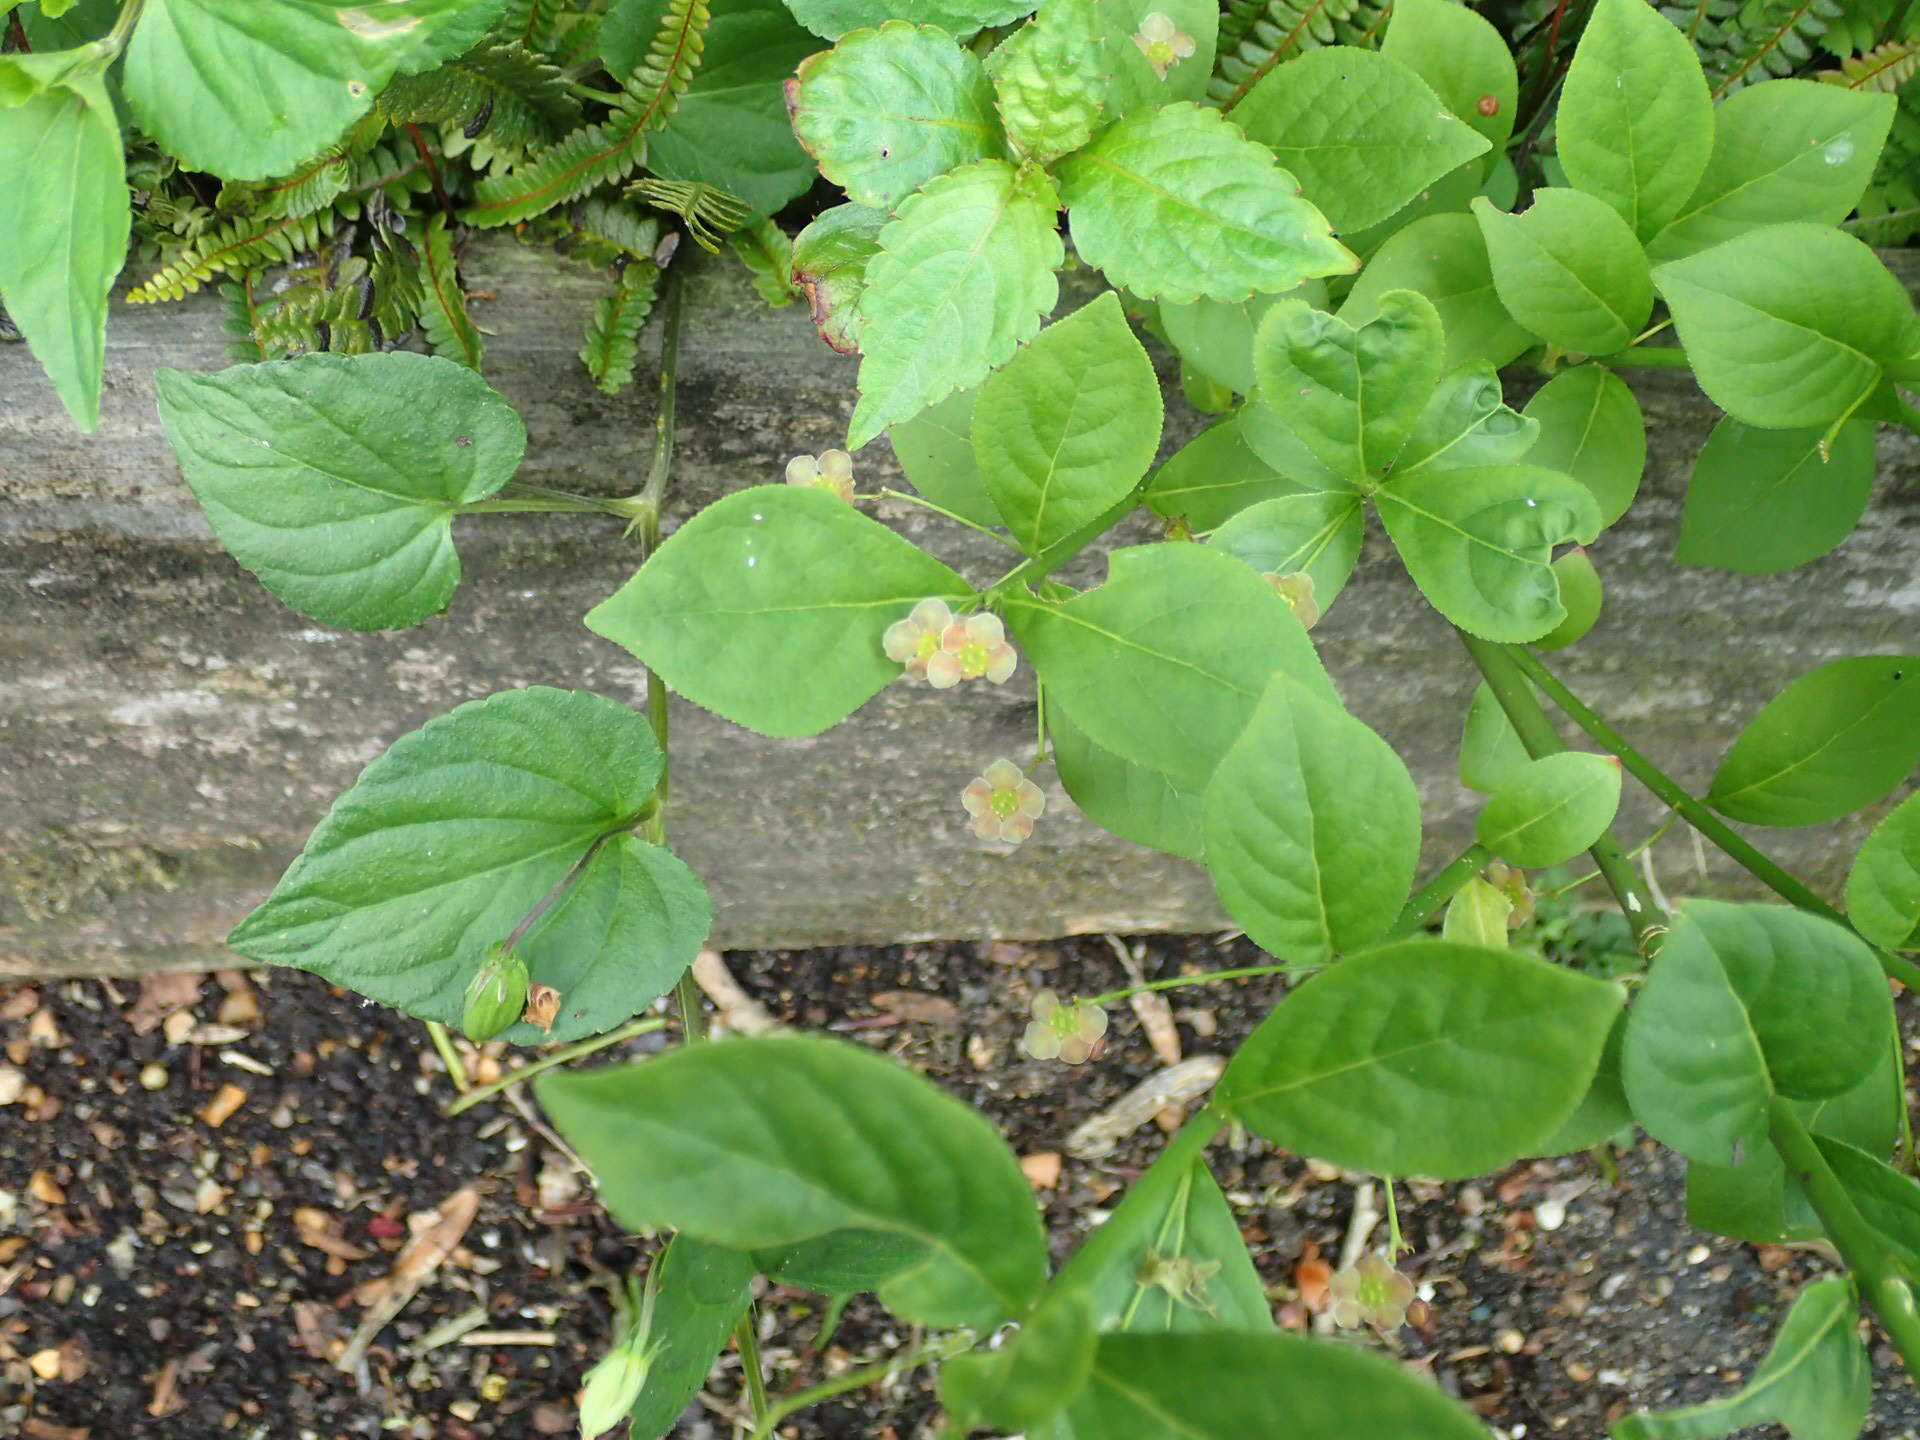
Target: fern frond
612,149
1762,40
710,212
399,294
242,244
320,307
444,315
531,22
314,185
767,252
498,88
1884,68
613,335
1265,33
243,321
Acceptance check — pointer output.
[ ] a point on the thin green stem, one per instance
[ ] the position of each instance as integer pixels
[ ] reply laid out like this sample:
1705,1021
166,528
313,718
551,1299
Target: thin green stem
661,466
449,1057
945,1347
746,1339
1433,896
1650,357
1038,567
1181,982
123,24
1508,682
1659,831
1908,415
1395,1241
1860,1245
1696,814
1651,331
521,1073
592,92
520,496
946,514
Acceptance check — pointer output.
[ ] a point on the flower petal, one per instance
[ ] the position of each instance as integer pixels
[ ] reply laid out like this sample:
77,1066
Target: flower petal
1003,774
1030,798
1003,663
931,615
1040,1042
837,464
1015,828
977,797
899,640
943,671
985,629
986,827
1157,25
802,470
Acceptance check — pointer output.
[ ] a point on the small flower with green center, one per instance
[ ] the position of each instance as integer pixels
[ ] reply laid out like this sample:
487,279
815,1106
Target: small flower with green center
1162,43
830,470
1296,589
915,643
1372,1293
1512,883
1003,803
1063,1032
1183,1278
979,646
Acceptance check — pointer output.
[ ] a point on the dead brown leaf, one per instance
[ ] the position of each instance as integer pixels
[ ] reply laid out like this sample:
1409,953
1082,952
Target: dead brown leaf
160,996
918,1006
320,1231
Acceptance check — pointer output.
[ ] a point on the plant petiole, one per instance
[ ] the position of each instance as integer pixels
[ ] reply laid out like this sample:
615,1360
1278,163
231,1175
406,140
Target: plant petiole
522,1073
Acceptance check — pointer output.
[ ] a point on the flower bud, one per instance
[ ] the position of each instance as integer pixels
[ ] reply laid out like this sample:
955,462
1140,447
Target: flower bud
613,1385
495,995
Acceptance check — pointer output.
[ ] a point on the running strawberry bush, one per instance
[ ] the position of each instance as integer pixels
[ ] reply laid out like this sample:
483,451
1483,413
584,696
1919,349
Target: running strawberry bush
1342,246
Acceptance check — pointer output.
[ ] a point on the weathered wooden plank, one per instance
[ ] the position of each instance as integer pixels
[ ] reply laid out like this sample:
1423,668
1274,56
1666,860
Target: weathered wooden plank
169,732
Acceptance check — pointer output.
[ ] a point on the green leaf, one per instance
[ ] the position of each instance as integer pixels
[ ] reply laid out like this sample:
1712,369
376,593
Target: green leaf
1635,120
1889,1200
1478,543
830,259
1217,474
1462,56
1074,423
1477,915
1318,533
449,329
446,841
1569,270
1173,1219
1549,810
1767,500
1049,84
1787,325
1165,663
1490,748
768,607
963,277
887,110
1228,1386
731,127
830,19
1603,1113
335,478
1744,1002
1363,133
1839,737
1134,802
701,1293
1312,828
1176,204
1782,150
701,1139
64,213
1423,1058
1816,1380
935,449
1350,396
1757,1200
1582,595
1444,258
1591,429
1883,888
1031,1377
1466,425
1215,337
247,91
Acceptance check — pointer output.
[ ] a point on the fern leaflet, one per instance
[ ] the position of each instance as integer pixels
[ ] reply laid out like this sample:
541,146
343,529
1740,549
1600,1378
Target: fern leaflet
1264,33
443,316
613,335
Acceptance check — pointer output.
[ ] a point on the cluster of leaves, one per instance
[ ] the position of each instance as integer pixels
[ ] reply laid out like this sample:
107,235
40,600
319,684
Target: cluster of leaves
316,159
1186,706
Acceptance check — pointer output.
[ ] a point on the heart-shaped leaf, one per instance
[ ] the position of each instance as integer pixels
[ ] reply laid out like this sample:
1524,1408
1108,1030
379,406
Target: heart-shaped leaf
768,607
1444,258
335,478
460,830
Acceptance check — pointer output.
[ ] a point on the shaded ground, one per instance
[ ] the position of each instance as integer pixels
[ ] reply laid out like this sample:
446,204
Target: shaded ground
163,1275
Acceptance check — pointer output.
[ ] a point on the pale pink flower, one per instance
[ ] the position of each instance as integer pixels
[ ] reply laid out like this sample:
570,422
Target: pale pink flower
915,643
1162,43
830,470
1063,1032
1371,1292
1003,803
979,645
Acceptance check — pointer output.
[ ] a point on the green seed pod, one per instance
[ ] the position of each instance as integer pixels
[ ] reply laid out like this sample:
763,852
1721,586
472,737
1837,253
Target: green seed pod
496,995
1581,593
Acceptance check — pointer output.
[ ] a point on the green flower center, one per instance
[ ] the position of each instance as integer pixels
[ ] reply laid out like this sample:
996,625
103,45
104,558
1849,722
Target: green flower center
1004,803
973,658
928,646
1160,53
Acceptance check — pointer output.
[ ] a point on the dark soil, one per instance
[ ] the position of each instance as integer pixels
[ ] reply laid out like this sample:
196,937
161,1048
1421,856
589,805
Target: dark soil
163,1276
